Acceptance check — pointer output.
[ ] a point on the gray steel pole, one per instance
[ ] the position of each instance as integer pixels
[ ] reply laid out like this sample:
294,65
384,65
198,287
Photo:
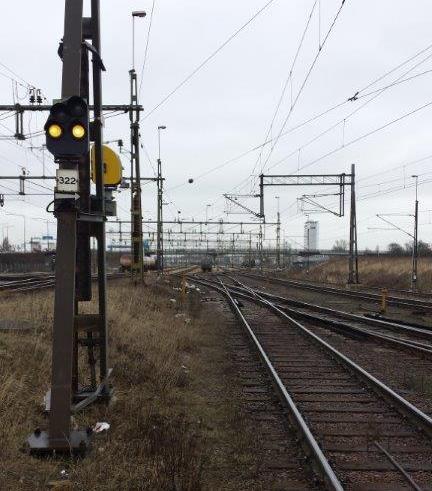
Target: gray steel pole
353,276
136,201
278,229
415,242
415,251
159,245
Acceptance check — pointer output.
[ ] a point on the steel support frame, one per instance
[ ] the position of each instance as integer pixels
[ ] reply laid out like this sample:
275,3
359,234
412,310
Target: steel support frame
319,208
233,198
21,108
340,180
76,222
191,222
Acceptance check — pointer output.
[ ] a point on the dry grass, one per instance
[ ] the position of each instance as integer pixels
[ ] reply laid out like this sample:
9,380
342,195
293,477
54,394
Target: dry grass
384,271
174,420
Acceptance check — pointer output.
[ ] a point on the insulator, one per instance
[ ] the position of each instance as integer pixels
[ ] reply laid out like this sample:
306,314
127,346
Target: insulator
32,98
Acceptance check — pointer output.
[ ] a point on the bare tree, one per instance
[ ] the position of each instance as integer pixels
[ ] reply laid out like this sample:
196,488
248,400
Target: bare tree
340,245
5,245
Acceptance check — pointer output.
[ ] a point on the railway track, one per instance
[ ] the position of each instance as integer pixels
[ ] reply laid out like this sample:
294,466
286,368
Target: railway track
360,287
357,432
403,336
41,282
27,285
397,301
181,270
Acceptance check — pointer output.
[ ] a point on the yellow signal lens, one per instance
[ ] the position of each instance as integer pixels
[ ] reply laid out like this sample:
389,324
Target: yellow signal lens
78,131
55,131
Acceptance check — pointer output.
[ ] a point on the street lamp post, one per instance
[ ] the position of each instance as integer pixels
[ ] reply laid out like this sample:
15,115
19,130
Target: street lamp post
136,205
138,13
207,209
159,257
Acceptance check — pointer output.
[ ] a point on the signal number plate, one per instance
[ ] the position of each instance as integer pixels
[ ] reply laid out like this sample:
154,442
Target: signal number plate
67,181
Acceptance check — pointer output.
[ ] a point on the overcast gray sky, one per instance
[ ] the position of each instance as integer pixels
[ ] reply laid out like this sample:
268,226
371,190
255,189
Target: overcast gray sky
227,107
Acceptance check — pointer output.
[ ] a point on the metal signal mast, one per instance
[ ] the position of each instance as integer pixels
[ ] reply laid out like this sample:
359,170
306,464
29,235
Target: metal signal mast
80,216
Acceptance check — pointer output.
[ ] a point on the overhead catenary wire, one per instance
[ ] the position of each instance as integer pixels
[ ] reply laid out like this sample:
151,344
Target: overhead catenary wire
19,80
358,96
287,81
366,135
146,48
208,59
305,80
376,93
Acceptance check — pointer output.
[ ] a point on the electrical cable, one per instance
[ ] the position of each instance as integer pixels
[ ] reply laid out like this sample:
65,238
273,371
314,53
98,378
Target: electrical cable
366,135
208,59
146,48
316,117
303,85
285,86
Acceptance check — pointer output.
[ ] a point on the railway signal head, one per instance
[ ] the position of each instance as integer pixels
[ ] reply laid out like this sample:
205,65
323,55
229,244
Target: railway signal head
67,128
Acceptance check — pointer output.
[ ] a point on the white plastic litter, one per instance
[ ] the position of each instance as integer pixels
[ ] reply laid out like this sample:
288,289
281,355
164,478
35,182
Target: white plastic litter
101,426
47,400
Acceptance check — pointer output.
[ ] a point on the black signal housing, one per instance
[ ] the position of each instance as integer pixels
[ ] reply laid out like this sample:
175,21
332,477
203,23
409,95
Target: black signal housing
67,128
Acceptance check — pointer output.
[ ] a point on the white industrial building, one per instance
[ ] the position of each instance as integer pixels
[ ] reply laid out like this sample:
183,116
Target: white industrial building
311,236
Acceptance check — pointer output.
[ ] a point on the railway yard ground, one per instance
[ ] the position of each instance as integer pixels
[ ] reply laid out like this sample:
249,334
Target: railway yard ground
231,380
180,418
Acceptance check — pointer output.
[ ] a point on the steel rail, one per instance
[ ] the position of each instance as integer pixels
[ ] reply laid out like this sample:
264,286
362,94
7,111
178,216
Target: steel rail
40,284
346,329
391,300
359,287
401,405
398,467
310,445
404,407
413,346
25,281
421,331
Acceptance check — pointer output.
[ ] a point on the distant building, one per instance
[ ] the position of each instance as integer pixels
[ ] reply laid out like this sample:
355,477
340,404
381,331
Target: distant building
311,236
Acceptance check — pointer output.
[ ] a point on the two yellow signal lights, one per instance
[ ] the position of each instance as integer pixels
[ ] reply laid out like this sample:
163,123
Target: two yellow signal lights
56,131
